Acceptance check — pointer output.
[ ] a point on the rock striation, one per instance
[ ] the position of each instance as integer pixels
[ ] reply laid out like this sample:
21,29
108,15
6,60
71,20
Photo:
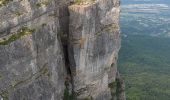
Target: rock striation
59,50
94,41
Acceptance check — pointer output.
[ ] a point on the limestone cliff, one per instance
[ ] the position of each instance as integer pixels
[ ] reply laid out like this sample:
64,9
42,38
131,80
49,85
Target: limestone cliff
59,50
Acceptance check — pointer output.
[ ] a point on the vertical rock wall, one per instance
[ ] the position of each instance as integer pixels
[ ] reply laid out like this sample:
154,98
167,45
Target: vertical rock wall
53,49
31,56
94,39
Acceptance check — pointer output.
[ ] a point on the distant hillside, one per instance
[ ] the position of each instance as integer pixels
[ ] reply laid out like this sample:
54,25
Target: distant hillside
144,65
145,53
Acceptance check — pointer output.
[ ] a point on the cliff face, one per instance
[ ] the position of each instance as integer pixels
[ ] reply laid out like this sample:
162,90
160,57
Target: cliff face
59,49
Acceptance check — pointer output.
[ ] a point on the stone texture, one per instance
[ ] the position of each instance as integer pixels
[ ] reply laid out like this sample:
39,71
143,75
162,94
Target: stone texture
32,67
49,47
94,40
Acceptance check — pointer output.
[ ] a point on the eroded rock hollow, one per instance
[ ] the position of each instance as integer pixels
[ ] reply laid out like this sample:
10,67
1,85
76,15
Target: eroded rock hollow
60,50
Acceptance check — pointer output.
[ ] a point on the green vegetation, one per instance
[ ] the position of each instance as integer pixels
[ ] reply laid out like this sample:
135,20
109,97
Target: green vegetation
5,95
38,5
67,95
113,87
4,2
144,64
144,59
22,32
45,3
79,2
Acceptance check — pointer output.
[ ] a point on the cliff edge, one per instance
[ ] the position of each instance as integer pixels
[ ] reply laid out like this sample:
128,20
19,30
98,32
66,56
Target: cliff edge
60,50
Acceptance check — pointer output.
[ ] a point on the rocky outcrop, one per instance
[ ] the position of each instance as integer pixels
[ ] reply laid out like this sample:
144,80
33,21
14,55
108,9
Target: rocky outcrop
58,49
31,56
94,40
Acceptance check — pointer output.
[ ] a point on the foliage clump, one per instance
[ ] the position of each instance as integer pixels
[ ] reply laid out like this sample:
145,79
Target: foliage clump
67,94
80,2
112,85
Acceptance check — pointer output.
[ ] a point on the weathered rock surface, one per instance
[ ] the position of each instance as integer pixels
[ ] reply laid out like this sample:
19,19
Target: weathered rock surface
94,43
47,54
31,66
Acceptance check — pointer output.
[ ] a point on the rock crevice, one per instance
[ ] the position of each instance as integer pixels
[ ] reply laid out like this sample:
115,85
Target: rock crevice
59,49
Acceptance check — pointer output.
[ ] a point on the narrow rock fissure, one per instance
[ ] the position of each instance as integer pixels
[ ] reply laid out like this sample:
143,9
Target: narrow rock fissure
64,33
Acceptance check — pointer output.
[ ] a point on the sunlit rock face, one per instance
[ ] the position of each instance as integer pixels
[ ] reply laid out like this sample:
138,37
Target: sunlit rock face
94,40
54,49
